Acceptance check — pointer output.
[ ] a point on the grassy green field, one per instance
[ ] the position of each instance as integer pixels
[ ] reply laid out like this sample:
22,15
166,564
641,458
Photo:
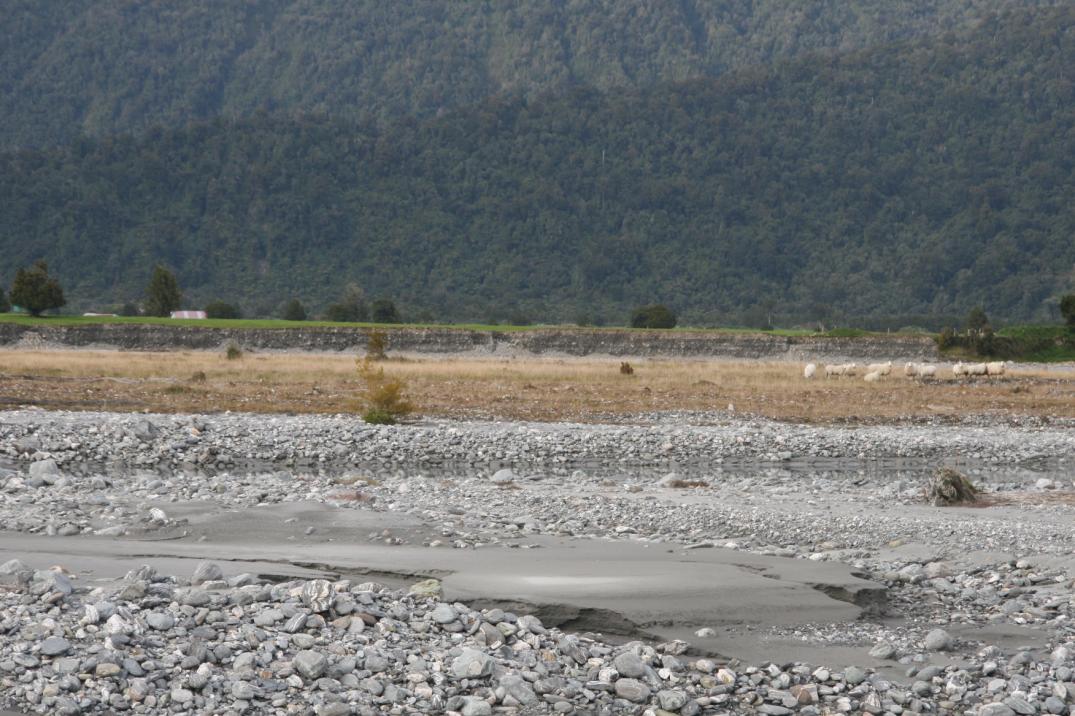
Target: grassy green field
1040,343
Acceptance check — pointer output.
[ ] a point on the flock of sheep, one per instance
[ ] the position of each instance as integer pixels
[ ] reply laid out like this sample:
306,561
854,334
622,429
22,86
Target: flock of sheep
874,372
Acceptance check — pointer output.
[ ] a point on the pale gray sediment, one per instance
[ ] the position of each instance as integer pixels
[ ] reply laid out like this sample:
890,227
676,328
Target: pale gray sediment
801,574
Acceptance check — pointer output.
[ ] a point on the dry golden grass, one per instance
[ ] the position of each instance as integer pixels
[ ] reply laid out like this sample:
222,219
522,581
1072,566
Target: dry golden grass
533,389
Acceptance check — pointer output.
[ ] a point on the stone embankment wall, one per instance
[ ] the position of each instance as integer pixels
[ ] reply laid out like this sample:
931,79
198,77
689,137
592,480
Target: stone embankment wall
553,341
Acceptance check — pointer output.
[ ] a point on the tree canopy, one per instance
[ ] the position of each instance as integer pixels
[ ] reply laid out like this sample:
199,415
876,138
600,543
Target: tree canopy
1067,309
34,290
162,294
925,174
113,66
294,311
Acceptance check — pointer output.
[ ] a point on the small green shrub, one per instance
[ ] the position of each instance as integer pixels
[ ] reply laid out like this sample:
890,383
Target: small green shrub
655,316
351,308
233,352
384,311
984,342
294,310
379,417
222,309
947,338
1067,310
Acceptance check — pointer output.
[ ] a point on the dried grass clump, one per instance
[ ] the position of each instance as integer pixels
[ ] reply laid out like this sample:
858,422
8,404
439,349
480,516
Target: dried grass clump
382,397
679,484
376,345
626,369
198,376
948,487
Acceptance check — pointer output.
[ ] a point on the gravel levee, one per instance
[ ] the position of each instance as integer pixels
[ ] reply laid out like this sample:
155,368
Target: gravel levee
228,440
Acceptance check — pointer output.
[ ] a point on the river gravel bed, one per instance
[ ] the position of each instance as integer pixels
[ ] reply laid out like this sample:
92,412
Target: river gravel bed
221,643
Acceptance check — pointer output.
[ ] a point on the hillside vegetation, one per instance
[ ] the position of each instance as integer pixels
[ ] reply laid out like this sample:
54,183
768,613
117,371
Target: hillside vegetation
922,177
98,67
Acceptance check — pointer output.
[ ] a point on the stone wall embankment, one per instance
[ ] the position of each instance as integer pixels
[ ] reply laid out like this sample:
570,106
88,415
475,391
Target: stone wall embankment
552,341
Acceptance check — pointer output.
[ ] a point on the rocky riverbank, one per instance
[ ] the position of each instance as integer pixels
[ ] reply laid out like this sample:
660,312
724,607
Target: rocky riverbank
232,644
229,440
572,570
553,341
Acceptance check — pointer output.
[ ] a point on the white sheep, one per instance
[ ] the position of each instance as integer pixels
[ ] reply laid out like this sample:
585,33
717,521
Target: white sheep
995,368
959,369
977,369
922,370
841,369
882,368
873,376
809,371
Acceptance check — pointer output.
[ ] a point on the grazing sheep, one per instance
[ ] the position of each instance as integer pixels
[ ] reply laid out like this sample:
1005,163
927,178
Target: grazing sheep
809,371
976,369
996,368
882,368
873,376
841,369
959,369
921,370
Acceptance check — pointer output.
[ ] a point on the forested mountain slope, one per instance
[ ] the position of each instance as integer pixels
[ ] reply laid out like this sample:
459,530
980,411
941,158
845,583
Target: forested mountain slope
929,176
97,67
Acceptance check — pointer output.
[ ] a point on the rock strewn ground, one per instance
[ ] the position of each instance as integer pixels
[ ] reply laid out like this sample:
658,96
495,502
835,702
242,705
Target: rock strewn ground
952,574
226,440
209,644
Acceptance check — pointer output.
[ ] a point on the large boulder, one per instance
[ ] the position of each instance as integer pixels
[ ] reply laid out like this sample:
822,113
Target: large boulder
310,664
472,664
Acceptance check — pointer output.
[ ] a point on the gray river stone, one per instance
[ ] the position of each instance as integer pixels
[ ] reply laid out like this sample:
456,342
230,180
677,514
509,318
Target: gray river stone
55,646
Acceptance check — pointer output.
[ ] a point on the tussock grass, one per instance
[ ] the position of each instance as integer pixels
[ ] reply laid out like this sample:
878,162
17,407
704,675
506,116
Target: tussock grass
487,387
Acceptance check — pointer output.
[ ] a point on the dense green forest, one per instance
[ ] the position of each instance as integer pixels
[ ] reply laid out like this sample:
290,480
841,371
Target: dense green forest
97,67
915,177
